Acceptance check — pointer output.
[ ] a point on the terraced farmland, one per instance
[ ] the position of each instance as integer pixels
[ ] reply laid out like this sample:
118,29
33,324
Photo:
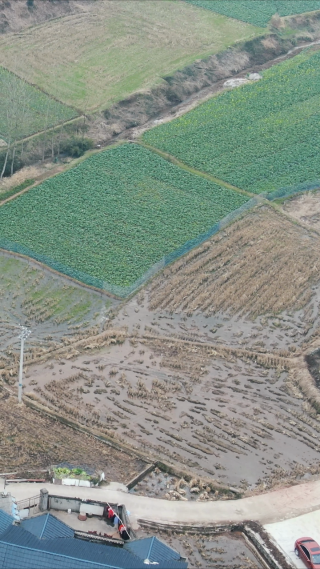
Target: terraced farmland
115,214
259,137
25,110
257,12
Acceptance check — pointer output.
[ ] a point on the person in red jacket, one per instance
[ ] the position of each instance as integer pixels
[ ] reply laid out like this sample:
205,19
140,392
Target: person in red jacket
111,514
123,532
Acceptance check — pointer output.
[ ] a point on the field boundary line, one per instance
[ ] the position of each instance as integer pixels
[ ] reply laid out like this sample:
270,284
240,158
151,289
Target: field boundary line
184,166
35,86
220,348
56,170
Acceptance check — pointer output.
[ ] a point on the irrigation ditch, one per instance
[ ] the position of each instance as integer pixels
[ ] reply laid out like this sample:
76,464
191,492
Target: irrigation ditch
185,88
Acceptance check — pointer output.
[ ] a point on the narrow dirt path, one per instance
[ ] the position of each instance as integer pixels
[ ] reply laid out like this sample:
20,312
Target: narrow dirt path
200,173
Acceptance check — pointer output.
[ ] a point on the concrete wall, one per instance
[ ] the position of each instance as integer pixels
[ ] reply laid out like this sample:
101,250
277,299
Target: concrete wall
61,503
91,509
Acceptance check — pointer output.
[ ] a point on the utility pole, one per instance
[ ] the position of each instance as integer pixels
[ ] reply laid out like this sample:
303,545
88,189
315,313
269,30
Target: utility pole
25,332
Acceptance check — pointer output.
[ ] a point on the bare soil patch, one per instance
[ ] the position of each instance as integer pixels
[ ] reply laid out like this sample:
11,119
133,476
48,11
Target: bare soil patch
305,208
195,375
29,440
15,15
197,378
202,408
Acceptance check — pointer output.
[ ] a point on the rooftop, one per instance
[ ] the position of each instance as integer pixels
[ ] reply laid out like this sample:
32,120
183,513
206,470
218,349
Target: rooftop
46,542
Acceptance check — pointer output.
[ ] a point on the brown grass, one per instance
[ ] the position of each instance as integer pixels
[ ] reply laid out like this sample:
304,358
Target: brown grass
263,263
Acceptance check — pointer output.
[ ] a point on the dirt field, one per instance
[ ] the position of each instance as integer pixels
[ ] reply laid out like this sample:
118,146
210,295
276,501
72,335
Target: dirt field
305,208
202,408
212,386
261,264
111,49
29,441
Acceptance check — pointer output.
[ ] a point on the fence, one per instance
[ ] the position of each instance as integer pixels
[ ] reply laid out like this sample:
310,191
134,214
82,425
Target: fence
125,291
121,291
288,191
30,504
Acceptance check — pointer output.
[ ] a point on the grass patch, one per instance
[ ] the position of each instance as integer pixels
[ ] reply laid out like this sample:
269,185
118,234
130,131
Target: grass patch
25,110
31,294
115,48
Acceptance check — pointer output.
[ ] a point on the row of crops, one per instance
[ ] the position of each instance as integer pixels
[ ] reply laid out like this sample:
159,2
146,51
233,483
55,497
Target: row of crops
25,110
116,214
259,137
257,12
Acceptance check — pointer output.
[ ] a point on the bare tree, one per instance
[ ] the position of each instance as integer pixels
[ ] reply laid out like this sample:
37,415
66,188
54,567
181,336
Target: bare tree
15,99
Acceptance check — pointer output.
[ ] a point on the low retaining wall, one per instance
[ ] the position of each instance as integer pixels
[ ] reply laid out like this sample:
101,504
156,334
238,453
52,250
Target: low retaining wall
140,476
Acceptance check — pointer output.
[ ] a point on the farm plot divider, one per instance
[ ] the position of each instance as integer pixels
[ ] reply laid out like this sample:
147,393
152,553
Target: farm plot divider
121,291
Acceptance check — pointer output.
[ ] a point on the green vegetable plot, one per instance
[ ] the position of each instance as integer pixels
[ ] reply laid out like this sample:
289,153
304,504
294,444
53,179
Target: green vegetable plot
116,213
25,110
258,137
257,12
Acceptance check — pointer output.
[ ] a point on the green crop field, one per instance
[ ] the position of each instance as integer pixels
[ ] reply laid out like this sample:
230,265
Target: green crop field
115,214
95,58
257,12
258,137
24,109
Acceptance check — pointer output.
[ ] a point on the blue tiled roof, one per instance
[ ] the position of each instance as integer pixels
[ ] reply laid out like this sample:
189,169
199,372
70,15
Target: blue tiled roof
5,521
20,549
47,527
153,549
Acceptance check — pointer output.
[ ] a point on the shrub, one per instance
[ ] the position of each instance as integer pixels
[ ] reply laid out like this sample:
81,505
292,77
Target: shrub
76,146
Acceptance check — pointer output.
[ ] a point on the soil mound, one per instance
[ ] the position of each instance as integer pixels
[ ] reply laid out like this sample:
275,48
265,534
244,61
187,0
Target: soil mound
16,15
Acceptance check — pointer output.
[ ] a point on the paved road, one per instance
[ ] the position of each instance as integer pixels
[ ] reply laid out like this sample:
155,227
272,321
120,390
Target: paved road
285,533
267,508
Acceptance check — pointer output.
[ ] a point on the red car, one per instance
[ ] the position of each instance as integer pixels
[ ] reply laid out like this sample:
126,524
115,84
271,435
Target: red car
309,552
